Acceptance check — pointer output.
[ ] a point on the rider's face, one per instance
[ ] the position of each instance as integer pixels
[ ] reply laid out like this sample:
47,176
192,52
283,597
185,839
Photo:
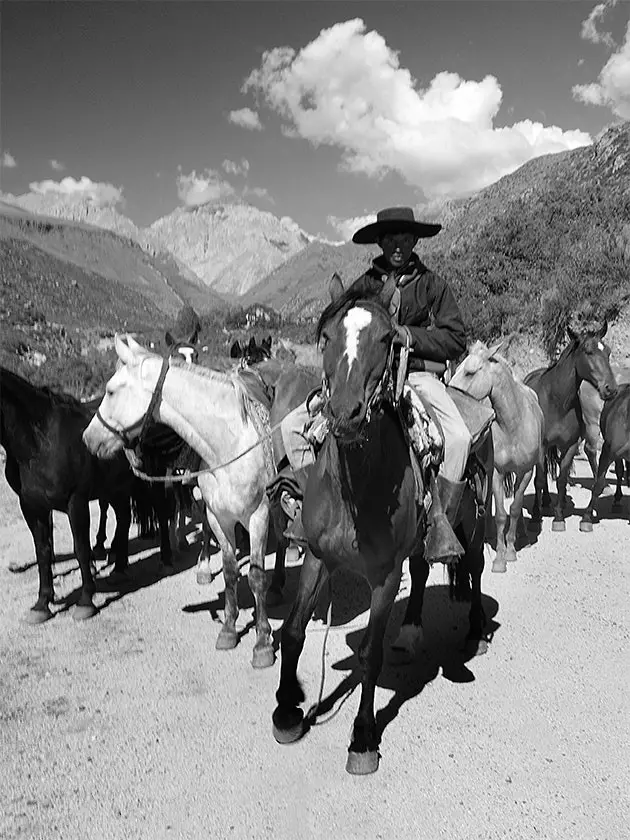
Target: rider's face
397,247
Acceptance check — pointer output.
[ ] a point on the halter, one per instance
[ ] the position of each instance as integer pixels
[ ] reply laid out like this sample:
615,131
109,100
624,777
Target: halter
143,421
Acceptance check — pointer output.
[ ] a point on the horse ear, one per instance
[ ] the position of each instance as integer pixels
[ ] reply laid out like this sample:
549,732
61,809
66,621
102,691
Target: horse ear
335,287
192,339
235,350
252,344
573,334
603,329
125,354
495,348
134,346
266,343
169,339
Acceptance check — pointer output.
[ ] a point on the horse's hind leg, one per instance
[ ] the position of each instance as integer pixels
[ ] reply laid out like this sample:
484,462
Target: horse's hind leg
228,637
41,528
411,635
98,552
120,543
263,655
363,750
620,474
516,508
79,516
288,718
540,483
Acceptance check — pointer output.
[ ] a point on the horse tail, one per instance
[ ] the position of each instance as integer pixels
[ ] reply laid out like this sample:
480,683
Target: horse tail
143,509
552,462
509,484
459,588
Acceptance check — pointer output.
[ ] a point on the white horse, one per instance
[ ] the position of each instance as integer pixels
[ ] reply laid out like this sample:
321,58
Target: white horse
517,436
212,412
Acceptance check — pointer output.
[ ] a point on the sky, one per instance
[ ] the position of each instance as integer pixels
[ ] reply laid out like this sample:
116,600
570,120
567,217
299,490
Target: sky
322,112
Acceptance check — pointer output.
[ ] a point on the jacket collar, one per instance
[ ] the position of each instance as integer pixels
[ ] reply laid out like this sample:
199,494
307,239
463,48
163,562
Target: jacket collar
412,269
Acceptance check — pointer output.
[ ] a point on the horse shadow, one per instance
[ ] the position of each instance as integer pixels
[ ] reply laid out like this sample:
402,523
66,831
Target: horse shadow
140,574
445,625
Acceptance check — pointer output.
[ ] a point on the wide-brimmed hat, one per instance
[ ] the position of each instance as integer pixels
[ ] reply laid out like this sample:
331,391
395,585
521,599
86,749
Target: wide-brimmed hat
394,220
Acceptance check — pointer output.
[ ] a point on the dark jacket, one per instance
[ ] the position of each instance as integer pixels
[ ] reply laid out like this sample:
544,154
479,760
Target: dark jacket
427,308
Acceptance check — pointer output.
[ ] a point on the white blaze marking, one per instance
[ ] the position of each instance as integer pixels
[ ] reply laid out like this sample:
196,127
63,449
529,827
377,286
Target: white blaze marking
355,321
187,353
600,345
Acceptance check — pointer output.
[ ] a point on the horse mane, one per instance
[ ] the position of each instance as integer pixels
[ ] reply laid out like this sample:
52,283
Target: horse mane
246,403
55,398
351,297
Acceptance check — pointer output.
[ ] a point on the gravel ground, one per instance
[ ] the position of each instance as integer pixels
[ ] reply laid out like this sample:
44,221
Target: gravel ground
132,726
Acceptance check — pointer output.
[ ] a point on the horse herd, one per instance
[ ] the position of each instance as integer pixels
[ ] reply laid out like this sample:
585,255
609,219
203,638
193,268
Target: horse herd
360,506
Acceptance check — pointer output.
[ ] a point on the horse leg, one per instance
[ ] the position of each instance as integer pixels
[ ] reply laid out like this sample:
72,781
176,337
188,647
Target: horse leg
558,523
288,718
540,479
516,509
162,499
180,518
41,527
274,593
411,635
98,552
120,543
500,517
605,460
204,571
620,473
263,655
476,641
228,637
79,516
363,750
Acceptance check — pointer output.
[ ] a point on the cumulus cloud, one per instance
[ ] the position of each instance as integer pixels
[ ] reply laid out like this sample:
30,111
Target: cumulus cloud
98,192
56,165
246,118
348,227
613,86
233,168
8,161
590,32
258,192
195,190
347,89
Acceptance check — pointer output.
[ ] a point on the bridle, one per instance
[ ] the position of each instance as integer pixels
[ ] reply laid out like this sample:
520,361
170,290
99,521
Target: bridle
142,422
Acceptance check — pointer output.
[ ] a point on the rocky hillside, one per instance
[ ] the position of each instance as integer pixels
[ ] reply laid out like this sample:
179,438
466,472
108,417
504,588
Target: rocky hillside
231,247
552,233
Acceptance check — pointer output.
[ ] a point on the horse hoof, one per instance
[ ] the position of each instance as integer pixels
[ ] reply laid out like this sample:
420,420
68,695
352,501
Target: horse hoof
274,597
204,578
226,640
362,763
99,554
558,525
39,616
499,565
84,611
586,526
475,647
288,727
263,657
407,643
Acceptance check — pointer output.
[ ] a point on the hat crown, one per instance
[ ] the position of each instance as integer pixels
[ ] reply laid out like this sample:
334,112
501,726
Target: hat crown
395,214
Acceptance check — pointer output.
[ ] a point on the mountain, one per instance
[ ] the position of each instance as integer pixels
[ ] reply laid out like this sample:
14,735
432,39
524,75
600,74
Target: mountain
230,246
518,254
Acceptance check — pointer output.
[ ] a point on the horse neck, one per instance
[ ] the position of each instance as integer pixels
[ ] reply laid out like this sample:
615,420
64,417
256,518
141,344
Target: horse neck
564,378
507,400
22,407
205,410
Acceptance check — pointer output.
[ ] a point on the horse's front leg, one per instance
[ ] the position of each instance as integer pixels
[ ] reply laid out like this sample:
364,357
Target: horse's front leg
263,655
98,551
224,532
79,516
500,517
558,523
540,482
605,460
411,635
516,509
363,751
288,718
41,528
274,593
620,475
120,543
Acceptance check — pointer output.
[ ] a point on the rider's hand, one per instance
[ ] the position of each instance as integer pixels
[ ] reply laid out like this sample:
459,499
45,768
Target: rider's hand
402,336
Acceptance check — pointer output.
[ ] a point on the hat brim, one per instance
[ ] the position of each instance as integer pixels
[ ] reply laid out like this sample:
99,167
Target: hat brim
369,234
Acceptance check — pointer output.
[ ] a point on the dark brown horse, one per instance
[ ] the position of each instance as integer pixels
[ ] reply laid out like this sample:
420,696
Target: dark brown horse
585,359
50,469
360,513
615,427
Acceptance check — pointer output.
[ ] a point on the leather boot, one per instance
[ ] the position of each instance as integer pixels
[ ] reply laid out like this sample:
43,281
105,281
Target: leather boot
292,506
441,544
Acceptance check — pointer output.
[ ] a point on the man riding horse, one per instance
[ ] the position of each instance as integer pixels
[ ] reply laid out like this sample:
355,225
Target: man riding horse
428,322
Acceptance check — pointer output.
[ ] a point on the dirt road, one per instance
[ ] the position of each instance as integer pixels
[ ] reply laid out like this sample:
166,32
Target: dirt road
133,726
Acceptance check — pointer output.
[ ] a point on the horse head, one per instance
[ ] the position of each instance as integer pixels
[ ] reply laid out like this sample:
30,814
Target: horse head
355,335
592,355
126,403
477,373
251,353
185,347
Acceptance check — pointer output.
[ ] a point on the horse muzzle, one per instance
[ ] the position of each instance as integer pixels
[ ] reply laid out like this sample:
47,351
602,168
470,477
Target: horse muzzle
607,391
100,441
